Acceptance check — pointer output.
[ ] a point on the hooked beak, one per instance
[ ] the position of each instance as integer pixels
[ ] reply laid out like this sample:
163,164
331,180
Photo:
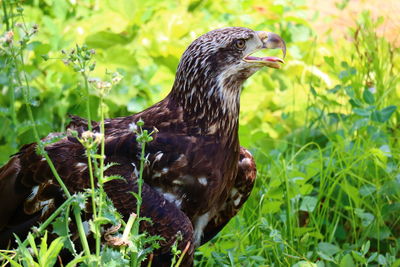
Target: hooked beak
269,41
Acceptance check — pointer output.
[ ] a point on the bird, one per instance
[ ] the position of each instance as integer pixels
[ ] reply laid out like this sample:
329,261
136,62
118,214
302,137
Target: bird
196,176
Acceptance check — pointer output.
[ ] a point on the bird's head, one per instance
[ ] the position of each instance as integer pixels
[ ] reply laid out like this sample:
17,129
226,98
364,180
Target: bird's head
229,51
214,66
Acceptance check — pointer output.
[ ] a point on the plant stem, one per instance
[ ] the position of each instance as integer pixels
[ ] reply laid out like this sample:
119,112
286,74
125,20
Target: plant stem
31,118
289,223
12,111
6,15
89,119
42,149
11,87
128,226
183,254
134,258
81,230
101,169
140,180
92,185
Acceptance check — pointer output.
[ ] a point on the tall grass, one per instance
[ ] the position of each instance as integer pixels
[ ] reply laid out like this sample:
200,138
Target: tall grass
332,197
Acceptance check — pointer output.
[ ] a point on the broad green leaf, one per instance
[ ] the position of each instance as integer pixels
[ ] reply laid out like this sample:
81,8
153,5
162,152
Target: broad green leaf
361,112
328,249
335,89
382,260
304,264
105,39
365,247
60,226
271,206
387,112
308,204
372,257
396,263
366,217
330,61
300,33
384,114
367,190
358,257
347,261
325,256
368,96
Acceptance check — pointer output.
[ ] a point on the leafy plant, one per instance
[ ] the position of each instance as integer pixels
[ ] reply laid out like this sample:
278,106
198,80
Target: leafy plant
324,130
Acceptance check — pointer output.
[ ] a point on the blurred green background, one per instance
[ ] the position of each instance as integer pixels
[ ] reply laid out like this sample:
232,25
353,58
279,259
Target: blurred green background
324,129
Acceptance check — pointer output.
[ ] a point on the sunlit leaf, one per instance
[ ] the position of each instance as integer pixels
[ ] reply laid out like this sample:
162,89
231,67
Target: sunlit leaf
347,261
368,96
308,203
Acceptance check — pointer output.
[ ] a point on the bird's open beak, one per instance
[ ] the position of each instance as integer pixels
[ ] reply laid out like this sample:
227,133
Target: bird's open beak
269,41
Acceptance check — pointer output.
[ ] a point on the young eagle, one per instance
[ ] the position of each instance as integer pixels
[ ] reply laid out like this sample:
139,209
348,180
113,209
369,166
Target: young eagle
197,176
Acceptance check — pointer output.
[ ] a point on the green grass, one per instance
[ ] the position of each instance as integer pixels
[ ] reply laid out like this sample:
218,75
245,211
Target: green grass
324,130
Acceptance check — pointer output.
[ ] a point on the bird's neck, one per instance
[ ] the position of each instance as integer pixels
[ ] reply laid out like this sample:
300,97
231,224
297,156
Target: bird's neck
210,105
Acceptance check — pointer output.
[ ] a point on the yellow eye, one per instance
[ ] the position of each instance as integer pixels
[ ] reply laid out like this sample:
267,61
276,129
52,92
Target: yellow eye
240,43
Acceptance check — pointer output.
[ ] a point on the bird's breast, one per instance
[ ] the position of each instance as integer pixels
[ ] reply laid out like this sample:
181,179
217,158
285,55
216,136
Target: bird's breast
197,180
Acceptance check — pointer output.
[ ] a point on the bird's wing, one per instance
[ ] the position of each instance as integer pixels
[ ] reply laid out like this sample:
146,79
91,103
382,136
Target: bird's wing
244,183
167,219
28,185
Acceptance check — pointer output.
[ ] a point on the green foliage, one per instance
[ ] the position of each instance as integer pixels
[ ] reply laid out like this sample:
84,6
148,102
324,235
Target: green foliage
324,130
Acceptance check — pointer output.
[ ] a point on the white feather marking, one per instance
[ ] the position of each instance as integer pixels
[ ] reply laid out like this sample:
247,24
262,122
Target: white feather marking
82,166
173,199
169,197
45,202
45,205
245,161
237,200
164,170
156,175
135,170
212,129
229,96
233,192
34,192
211,92
177,182
158,156
203,180
181,156
199,225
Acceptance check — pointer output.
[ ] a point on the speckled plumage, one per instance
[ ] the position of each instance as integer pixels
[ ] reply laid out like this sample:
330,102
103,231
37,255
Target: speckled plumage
197,176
